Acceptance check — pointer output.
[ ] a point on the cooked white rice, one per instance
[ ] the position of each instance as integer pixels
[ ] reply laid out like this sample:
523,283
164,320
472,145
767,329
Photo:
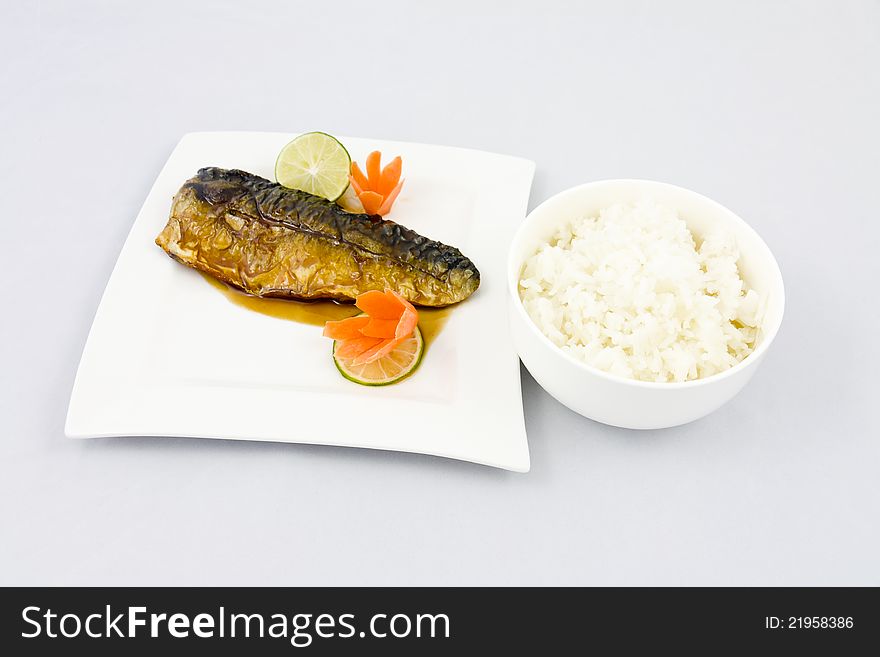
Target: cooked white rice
629,292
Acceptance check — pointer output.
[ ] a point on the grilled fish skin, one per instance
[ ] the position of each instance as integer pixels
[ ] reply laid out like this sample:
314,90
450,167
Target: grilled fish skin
271,241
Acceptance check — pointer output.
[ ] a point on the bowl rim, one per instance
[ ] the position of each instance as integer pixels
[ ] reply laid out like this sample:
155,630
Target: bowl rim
753,358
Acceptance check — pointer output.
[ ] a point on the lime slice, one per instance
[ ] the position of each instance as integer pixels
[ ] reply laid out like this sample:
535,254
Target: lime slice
315,163
397,365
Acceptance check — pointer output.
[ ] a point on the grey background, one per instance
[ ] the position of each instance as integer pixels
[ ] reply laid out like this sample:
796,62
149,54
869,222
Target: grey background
770,108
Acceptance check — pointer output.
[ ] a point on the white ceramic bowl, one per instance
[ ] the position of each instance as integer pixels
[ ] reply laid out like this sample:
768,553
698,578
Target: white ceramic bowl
625,402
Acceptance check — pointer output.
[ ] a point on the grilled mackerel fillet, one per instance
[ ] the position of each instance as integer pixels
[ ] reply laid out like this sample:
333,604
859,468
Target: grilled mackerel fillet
275,242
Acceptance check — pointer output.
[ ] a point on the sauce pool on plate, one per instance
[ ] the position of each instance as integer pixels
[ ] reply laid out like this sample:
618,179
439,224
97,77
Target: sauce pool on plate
317,313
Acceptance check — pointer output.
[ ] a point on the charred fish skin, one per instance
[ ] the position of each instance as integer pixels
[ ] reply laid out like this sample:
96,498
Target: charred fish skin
272,241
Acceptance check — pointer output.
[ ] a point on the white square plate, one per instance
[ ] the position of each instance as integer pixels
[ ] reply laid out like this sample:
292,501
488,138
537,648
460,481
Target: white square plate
169,355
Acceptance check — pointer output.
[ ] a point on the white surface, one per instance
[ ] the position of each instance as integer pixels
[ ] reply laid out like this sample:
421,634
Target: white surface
611,399
170,356
770,108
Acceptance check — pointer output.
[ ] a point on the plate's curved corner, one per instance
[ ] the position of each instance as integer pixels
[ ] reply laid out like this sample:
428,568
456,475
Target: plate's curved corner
526,465
521,461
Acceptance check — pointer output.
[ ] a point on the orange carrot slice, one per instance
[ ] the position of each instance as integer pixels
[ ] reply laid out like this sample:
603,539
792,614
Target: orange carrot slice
374,171
406,325
348,349
359,176
377,352
381,328
401,300
346,329
380,305
355,185
390,175
385,208
371,202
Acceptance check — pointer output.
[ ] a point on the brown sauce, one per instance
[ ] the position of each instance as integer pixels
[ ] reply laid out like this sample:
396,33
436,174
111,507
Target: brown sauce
431,322
317,313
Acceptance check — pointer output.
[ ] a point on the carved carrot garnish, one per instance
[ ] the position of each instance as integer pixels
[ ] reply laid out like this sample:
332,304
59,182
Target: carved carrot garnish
388,320
378,188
